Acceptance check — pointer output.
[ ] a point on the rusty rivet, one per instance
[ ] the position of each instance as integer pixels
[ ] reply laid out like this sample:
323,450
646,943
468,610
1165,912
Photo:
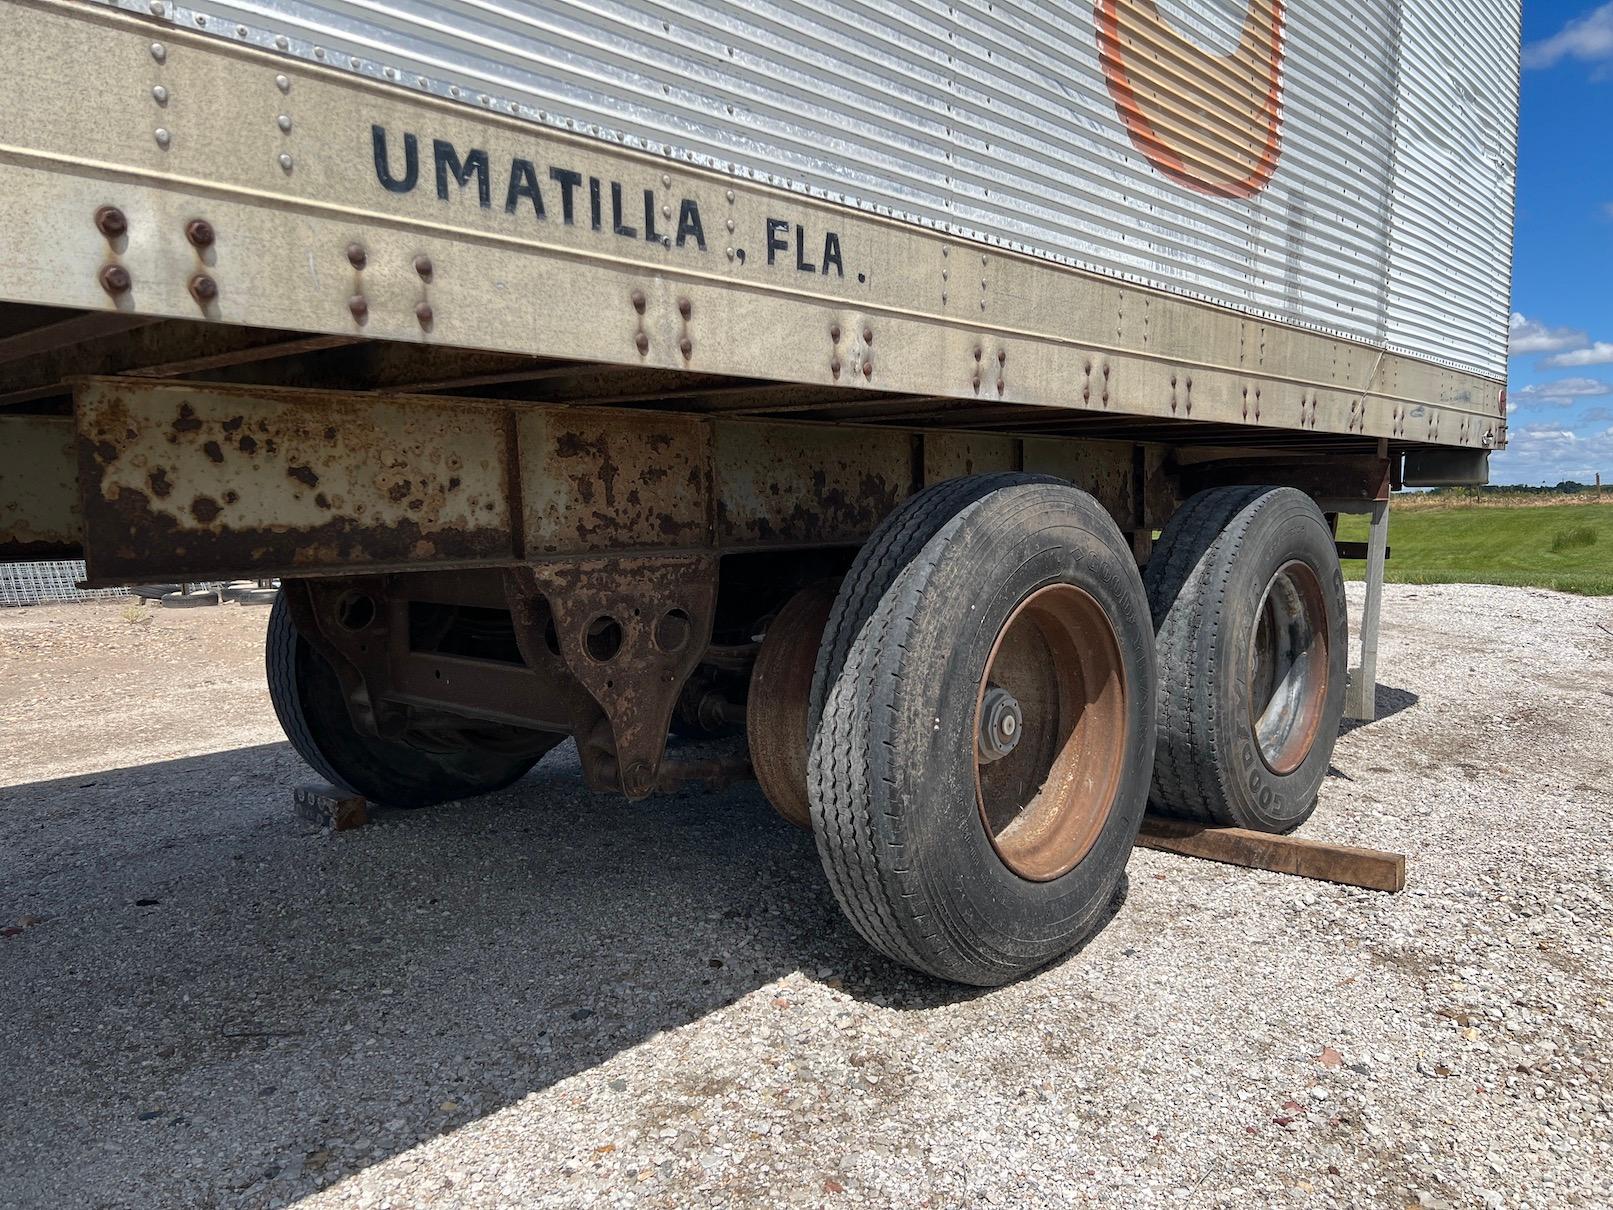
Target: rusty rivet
684,308
834,333
1002,356
359,306
637,298
642,340
686,346
978,353
423,312
977,382
868,336
199,232
868,369
422,266
203,288
114,279
999,386
355,255
110,222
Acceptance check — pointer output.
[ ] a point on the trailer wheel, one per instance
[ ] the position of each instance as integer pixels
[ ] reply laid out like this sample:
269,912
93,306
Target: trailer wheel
307,698
889,549
981,766
777,703
1252,641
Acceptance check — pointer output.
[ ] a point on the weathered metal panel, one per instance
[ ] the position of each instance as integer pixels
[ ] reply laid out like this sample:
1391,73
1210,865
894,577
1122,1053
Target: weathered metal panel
189,478
1267,156
1455,160
685,269
949,455
783,483
39,517
1104,469
604,479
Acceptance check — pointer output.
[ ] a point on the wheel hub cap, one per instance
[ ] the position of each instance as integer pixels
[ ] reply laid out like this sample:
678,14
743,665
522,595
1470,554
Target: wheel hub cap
1001,724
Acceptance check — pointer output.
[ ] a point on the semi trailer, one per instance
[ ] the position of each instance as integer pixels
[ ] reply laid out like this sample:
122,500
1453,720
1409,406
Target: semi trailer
958,399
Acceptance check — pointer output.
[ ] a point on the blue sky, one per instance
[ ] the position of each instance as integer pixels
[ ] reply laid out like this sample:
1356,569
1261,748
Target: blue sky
1561,380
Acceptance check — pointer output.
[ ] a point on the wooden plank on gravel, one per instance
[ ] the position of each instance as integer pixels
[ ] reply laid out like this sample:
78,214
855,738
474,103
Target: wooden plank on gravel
1370,868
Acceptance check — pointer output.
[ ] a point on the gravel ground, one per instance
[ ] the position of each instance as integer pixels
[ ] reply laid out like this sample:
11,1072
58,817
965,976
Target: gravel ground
547,998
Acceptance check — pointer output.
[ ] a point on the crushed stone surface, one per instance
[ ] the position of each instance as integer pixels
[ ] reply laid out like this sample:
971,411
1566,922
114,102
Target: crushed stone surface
551,998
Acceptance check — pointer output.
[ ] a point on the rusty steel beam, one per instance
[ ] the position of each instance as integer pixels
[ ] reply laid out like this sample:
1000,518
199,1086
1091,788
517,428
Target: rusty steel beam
186,480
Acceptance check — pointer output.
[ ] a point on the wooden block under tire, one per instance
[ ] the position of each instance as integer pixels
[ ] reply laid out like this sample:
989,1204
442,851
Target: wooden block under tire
1370,868
338,810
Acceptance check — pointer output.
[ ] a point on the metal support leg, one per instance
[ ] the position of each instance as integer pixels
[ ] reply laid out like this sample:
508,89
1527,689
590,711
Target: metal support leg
1360,702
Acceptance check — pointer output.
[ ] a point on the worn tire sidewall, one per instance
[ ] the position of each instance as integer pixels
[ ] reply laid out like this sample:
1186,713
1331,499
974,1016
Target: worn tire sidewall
1011,545
1287,529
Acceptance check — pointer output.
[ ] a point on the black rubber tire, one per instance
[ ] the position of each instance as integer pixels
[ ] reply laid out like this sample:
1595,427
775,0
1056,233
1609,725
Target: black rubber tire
1206,579
308,700
890,548
891,775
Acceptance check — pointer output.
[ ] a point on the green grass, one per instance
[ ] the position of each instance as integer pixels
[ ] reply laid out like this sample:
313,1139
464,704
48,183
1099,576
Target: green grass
1567,547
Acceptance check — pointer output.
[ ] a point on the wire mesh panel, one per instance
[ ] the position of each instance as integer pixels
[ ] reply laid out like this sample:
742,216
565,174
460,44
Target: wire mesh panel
43,583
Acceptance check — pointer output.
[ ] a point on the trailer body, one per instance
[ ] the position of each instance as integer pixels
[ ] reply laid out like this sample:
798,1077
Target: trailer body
549,352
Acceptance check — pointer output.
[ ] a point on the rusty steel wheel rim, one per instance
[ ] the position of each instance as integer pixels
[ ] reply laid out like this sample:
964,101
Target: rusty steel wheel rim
1050,732
1288,667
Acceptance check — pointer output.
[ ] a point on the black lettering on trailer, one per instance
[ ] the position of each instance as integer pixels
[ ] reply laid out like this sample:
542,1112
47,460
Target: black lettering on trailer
474,164
617,225
831,255
689,224
568,181
651,235
383,170
595,214
775,242
523,183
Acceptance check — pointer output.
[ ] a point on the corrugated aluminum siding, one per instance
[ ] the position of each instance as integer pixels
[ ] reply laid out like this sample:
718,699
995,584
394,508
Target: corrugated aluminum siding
1388,218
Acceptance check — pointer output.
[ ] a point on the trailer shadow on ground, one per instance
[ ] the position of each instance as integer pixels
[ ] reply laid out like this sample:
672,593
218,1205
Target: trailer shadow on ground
288,1005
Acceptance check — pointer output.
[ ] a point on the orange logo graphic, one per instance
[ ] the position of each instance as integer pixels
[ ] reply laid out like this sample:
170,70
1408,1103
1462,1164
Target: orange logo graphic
1207,121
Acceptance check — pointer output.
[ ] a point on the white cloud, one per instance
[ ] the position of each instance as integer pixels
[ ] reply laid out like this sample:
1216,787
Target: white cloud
1599,353
1560,393
1588,38
1532,336
1550,453
1597,415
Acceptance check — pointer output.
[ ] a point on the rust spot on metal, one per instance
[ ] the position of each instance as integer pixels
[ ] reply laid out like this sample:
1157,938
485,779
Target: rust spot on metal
303,474
423,313
203,288
187,421
359,306
200,232
868,336
642,342
248,444
686,347
160,487
213,451
115,279
205,509
685,308
868,368
423,266
356,255
398,492
638,300
834,333
110,221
